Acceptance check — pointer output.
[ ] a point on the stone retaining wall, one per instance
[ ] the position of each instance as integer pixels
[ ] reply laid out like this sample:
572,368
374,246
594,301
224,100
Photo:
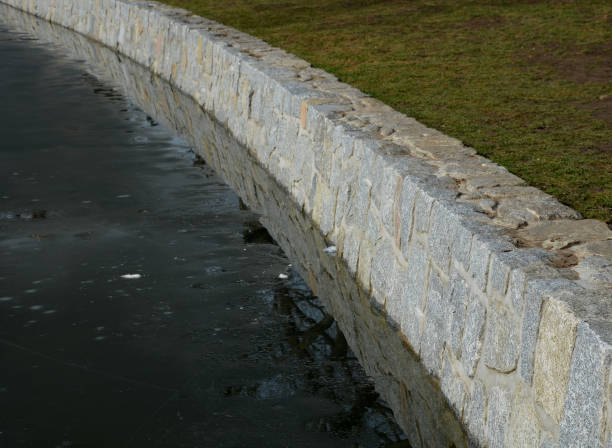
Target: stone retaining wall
502,292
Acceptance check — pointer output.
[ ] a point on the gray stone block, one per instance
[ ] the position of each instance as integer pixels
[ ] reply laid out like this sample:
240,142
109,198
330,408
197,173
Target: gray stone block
471,341
458,295
498,414
415,292
436,325
453,388
441,235
529,329
383,267
499,273
474,414
361,203
373,229
351,249
479,261
394,304
501,339
406,211
422,211
536,292
462,246
587,386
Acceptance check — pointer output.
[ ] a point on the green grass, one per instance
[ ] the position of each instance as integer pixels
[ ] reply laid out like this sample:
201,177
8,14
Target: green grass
527,83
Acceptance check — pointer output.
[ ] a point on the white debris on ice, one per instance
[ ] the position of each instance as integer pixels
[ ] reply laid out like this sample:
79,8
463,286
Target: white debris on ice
131,276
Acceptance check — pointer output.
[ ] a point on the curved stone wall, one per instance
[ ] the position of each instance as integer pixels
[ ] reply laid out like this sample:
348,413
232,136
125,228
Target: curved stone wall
501,292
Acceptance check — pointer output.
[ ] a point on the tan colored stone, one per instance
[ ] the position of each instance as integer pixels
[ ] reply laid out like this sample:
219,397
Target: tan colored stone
524,430
565,232
553,356
601,248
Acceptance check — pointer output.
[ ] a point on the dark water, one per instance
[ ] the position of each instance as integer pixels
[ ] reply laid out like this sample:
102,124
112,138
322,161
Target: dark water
208,347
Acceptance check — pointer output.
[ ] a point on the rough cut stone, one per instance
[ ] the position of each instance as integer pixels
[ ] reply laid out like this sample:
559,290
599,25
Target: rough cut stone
553,355
441,236
562,233
472,335
453,387
422,210
383,266
596,270
457,299
501,339
524,428
497,416
436,323
479,262
409,192
474,415
588,385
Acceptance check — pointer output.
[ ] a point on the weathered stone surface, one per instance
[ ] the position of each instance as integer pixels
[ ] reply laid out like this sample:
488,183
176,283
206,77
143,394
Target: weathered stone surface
409,191
597,248
436,324
457,300
524,428
453,387
589,384
422,211
383,266
498,413
394,304
553,356
472,335
501,339
536,292
479,261
562,233
528,210
462,246
351,250
596,270
418,268
474,414
441,236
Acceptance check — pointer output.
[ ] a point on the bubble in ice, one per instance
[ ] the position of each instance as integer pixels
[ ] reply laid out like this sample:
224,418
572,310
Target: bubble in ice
30,291
36,307
6,299
123,196
283,276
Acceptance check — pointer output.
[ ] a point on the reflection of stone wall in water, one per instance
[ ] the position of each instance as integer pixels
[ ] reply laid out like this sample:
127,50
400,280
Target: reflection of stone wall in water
501,293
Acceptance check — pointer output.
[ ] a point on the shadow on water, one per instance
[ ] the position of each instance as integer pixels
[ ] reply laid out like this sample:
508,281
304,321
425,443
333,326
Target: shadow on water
331,346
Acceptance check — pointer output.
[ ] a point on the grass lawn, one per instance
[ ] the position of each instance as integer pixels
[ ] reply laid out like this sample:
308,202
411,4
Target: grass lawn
527,83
